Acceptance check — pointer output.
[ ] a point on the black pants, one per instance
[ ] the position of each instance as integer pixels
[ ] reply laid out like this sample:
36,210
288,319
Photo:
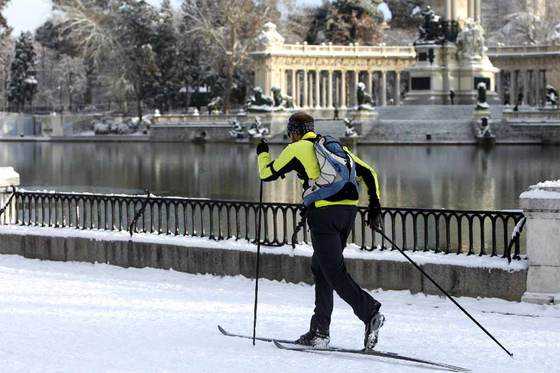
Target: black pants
330,227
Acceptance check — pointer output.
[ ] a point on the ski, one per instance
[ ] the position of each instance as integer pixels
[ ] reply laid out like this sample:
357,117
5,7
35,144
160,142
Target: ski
285,344
390,355
226,333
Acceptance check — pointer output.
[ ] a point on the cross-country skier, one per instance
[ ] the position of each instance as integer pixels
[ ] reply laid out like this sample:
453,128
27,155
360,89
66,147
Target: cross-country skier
330,220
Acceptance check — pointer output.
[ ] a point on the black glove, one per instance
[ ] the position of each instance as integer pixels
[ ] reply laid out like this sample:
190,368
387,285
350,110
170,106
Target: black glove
374,219
262,147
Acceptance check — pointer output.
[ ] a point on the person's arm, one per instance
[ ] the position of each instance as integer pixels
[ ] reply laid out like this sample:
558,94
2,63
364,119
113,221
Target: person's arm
287,161
368,175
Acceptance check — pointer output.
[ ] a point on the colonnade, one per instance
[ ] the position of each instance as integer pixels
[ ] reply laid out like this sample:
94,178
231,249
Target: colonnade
327,89
522,87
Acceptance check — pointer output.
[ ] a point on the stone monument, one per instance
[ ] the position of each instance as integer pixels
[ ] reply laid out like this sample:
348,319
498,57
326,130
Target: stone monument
451,57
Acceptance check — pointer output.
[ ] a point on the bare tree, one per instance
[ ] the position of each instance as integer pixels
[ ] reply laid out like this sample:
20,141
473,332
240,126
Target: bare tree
229,28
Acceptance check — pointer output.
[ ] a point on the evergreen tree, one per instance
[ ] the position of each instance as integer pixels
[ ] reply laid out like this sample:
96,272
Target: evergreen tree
346,21
135,33
23,84
167,58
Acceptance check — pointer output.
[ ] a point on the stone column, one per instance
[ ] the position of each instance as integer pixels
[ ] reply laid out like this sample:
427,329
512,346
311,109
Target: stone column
526,90
448,10
471,9
500,87
538,88
343,90
477,15
330,90
541,206
513,87
293,93
317,88
397,88
305,102
383,88
368,82
354,87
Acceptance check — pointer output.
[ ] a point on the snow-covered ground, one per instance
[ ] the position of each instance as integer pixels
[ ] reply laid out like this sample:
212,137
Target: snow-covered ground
76,317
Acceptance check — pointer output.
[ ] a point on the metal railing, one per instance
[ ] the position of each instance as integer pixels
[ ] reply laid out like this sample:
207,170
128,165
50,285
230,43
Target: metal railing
437,230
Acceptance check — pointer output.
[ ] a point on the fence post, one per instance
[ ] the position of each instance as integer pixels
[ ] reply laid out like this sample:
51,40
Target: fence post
541,206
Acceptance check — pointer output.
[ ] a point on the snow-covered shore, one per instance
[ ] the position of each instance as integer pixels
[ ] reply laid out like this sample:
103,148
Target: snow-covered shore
75,317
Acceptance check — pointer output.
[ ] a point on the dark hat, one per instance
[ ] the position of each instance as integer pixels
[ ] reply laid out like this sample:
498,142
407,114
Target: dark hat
301,123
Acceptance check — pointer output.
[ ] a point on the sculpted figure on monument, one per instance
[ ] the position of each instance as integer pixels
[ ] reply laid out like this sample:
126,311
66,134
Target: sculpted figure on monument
551,96
280,100
259,102
215,105
481,103
554,37
269,37
365,102
432,30
471,41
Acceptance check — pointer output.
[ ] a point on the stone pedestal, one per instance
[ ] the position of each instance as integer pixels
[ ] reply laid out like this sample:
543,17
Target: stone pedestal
541,206
364,120
440,69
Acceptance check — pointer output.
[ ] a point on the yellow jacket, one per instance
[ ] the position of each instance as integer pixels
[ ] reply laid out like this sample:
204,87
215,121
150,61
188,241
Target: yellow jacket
300,157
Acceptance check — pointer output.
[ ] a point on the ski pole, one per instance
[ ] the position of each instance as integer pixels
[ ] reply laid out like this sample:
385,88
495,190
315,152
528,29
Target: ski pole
258,262
380,231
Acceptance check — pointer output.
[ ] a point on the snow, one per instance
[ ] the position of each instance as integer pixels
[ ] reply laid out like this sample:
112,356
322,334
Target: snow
352,251
540,194
8,177
549,184
76,317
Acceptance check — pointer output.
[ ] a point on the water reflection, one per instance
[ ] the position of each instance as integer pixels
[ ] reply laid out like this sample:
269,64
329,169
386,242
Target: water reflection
461,177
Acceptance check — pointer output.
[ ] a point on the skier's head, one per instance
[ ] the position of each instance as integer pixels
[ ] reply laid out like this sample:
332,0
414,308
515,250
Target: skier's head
299,124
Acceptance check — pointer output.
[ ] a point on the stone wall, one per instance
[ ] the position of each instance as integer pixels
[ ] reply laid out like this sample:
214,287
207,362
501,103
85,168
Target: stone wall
371,274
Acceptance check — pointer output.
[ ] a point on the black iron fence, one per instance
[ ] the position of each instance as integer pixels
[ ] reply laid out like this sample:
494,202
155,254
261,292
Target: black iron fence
438,230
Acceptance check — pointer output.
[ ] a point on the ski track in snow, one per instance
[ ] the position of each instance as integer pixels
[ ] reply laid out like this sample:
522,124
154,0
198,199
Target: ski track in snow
77,317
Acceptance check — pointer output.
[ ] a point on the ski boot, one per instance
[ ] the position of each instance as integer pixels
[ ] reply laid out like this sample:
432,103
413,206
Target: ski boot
372,331
314,338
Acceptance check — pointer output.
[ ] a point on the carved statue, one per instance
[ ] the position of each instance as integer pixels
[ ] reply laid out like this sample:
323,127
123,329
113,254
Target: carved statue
215,105
554,37
481,103
551,96
432,30
471,41
482,129
259,102
281,101
365,102
269,37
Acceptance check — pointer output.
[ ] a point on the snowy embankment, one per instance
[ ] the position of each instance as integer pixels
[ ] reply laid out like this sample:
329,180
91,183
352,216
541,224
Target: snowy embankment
75,317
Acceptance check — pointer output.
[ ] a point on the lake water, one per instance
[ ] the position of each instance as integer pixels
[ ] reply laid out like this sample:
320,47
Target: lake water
453,177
